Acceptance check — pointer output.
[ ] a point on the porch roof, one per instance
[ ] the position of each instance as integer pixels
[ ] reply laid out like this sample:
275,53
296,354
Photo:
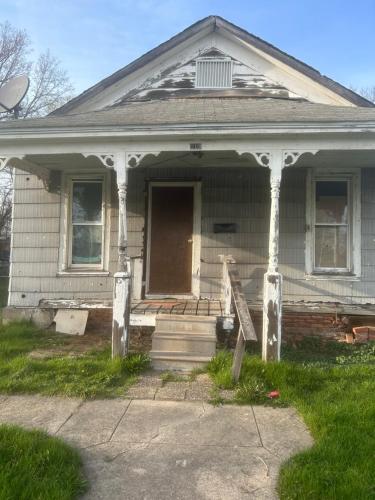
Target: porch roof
202,110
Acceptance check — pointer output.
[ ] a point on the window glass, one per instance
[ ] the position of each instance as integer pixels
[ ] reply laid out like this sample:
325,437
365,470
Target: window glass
331,224
331,246
87,223
87,245
87,202
331,202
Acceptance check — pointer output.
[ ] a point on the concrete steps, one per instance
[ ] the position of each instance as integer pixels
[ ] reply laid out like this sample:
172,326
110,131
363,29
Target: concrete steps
182,342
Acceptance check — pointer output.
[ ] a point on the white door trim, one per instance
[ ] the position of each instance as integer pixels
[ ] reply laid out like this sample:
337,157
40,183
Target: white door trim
196,251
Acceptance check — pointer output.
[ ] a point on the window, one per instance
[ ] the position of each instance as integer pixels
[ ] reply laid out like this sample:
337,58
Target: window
213,73
86,227
333,213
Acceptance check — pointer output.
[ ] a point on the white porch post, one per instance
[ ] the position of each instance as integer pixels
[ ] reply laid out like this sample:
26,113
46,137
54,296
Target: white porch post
121,291
272,296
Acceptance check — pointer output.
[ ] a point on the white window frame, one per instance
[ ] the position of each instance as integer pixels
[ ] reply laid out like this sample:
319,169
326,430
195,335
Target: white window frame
353,178
66,234
213,60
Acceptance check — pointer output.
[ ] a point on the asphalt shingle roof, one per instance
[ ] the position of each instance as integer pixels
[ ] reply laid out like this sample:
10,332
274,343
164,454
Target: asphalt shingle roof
201,111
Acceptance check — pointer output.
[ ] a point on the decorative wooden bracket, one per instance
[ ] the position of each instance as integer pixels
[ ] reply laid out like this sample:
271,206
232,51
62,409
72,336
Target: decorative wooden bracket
134,159
290,158
18,161
286,158
107,159
261,157
4,160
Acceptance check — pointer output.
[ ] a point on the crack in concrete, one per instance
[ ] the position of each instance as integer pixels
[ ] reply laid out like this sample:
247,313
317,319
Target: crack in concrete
257,426
119,421
203,411
266,466
69,417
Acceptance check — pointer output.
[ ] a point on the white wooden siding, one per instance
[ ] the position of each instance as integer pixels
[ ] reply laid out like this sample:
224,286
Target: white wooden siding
228,195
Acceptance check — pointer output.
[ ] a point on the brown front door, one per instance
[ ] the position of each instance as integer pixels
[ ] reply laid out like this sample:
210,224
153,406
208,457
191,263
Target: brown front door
171,240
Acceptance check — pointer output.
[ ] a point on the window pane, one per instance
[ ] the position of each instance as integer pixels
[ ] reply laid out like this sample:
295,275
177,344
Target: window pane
331,247
87,202
331,202
87,245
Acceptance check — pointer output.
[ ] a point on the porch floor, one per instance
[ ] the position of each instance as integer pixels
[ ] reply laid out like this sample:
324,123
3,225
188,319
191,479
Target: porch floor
201,307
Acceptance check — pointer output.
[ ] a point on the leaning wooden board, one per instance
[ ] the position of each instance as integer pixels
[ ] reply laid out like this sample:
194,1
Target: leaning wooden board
242,310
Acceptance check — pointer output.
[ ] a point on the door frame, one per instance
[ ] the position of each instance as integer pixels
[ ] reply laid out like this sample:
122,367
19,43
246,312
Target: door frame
196,250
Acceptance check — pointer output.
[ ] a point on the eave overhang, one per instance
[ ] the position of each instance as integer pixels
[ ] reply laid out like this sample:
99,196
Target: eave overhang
217,129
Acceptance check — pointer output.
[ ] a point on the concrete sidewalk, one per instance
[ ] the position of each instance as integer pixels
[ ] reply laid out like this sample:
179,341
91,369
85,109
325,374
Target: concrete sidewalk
148,449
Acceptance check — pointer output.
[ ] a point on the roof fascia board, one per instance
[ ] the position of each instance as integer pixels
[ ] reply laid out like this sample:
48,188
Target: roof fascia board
150,72
188,130
197,30
279,72
292,62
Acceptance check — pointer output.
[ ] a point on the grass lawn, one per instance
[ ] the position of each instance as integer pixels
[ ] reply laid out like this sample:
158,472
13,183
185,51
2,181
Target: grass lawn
35,466
333,388
93,374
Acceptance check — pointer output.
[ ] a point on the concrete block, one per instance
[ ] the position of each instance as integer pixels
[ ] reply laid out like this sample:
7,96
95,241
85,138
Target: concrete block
72,322
42,318
185,323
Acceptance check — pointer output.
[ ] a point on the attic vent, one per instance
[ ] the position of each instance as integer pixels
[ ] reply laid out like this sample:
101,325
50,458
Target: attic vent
213,73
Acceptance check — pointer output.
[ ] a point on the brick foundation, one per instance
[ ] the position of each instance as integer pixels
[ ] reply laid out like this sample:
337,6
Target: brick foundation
295,325
100,321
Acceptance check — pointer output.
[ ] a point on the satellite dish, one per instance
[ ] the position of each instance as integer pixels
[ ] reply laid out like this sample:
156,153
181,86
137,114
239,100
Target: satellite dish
12,93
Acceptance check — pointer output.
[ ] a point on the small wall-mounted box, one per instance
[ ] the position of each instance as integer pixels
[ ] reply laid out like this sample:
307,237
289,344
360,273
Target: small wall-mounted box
227,227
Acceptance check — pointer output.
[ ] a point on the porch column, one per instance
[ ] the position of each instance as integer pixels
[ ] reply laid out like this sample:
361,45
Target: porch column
121,291
273,279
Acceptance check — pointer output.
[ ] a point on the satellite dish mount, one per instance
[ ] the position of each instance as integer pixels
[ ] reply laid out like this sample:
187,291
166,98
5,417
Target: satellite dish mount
12,93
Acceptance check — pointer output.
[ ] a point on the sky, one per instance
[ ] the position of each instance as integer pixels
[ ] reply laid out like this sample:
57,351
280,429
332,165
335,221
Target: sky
94,38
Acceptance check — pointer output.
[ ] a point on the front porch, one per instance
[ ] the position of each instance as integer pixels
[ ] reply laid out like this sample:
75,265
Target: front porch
253,206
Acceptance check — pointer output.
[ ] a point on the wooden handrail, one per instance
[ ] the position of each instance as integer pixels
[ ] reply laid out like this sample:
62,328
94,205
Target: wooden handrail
232,291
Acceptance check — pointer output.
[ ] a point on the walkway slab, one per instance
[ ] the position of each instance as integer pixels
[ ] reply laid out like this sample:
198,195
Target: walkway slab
168,450
46,413
94,422
189,423
160,472
282,443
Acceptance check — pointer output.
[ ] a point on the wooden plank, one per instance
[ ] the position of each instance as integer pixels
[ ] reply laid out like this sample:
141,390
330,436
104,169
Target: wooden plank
246,323
238,356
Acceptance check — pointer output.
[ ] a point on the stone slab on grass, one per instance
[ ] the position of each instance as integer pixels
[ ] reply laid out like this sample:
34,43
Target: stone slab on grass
174,391
141,392
198,392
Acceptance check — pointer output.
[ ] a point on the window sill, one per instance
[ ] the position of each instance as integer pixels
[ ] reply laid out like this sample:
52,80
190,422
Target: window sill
332,277
80,272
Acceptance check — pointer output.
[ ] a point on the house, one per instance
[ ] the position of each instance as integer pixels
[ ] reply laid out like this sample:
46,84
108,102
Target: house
213,144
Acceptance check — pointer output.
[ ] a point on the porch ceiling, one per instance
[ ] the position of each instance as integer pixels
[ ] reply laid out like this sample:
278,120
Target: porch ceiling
207,159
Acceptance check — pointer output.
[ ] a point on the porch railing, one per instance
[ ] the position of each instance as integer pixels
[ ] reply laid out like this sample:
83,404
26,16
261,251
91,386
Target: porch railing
233,296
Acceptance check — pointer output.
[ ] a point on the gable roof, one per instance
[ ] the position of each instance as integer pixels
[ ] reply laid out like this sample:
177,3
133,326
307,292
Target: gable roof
212,23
